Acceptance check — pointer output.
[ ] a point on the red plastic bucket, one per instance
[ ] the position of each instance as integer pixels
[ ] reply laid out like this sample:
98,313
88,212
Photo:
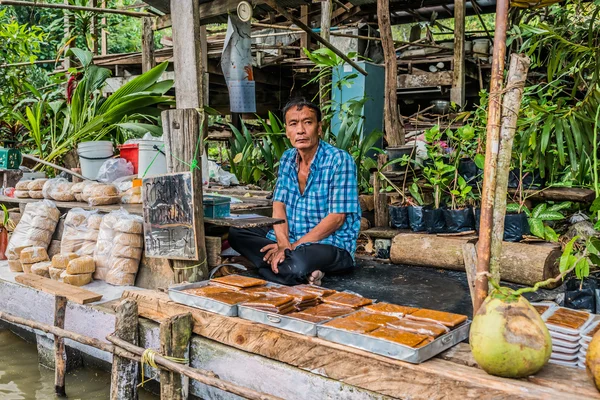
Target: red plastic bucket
130,152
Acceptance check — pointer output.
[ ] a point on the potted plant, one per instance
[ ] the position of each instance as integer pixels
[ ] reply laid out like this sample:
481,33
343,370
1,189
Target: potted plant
534,221
399,211
459,217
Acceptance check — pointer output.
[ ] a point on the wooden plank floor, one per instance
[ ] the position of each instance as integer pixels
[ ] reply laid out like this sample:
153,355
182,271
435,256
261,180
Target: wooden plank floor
451,375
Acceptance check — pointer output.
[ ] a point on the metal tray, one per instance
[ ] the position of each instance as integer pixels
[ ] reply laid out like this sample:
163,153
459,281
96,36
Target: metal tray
176,294
278,321
395,350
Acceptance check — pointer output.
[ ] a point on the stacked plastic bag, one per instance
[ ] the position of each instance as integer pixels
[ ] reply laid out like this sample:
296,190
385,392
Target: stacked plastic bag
58,189
35,229
119,248
81,232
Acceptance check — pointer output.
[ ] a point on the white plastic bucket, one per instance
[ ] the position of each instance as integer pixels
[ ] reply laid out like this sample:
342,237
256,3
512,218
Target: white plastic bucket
92,155
151,160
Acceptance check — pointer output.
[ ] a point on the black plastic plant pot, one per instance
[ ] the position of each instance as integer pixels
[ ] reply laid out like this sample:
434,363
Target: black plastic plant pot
470,172
399,152
415,218
531,180
459,220
581,296
515,226
434,221
399,217
476,216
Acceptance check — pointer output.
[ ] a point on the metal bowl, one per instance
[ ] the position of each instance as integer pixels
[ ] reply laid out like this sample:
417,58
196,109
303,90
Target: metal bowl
440,106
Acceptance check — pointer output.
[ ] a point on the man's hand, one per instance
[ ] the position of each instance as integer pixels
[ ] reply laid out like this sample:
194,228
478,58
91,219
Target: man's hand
272,250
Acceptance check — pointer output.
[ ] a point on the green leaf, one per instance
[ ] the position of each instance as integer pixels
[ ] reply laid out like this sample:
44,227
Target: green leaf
537,227
416,193
560,143
546,134
550,216
85,57
582,268
140,129
560,206
540,208
595,207
550,235
512,208
593,245
480,161
594,259
564,264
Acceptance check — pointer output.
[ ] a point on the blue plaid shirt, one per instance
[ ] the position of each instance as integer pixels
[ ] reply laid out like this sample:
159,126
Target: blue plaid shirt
332,187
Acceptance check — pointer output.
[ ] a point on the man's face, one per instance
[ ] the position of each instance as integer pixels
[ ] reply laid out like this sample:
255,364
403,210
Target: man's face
302,128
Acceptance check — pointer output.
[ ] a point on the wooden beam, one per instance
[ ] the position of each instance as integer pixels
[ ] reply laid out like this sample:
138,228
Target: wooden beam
434,379
457,93
428,79
60,355
123,382
67,6
175,335
94,28
104,33
183,145
304,38
393,127
148,61
273,4
163,22
382,218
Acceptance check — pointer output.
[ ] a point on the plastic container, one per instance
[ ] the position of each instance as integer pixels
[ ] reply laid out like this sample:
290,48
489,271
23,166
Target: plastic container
216,206
481,48
130,152
151,158
10,158
92,155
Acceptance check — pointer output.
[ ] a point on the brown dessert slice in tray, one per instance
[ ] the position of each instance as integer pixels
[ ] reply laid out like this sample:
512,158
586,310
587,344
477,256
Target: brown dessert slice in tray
328,311
298,294
541,308
593,331
347,300
271,301
229,297
308,317
206,290
379,319
401,337
390,309
427,328
257,290
447,319
352,325
318,290
239,281
567,318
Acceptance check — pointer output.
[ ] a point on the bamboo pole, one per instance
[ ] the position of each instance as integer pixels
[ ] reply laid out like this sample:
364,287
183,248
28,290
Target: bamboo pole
491,155
517,75
281,10
326,10
60,356
200,375
75,8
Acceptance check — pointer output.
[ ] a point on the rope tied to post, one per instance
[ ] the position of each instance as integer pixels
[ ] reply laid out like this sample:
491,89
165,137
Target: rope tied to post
148,357
191,266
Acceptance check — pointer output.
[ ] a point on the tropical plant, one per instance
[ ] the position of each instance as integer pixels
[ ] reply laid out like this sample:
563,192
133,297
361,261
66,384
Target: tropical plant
540,214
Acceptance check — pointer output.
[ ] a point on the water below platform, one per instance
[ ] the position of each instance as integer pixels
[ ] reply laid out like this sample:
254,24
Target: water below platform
21,377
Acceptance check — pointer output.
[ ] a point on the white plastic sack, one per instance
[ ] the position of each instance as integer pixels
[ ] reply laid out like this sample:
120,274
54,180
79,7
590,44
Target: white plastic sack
221,176
114,168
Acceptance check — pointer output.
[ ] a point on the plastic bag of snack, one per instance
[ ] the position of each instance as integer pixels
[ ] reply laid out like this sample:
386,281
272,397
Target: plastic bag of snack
35,228
99,194
119,248
58,189
81,232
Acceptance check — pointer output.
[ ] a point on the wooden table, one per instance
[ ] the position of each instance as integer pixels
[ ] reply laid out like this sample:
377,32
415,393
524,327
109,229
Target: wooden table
137,210
452,374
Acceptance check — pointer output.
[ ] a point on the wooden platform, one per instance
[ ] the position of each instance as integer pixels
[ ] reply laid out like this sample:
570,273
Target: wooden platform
137,209
453,374
72,293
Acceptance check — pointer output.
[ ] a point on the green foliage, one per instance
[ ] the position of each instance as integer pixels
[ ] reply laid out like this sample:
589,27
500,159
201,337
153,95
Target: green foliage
581,257
540,214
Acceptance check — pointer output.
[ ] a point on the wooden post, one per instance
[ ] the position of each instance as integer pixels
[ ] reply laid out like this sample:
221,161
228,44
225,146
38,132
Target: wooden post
94,28
469,253
517,75
183,145
382,217
104,38
67,30
457,93
304,39
394,131
187,54
326,10
491,155
175,335
60,355
123,381
148,61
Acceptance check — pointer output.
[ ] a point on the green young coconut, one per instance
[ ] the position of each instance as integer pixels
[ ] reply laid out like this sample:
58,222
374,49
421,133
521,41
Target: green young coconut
592,359
508,337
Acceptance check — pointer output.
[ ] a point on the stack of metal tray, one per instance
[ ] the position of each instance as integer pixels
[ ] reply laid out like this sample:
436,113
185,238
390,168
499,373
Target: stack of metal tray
177,294
395,350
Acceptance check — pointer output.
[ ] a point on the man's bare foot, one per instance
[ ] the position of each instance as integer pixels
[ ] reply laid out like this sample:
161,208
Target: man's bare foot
315,278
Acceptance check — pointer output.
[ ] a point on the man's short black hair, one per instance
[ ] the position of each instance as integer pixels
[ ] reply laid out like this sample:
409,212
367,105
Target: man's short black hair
300,103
